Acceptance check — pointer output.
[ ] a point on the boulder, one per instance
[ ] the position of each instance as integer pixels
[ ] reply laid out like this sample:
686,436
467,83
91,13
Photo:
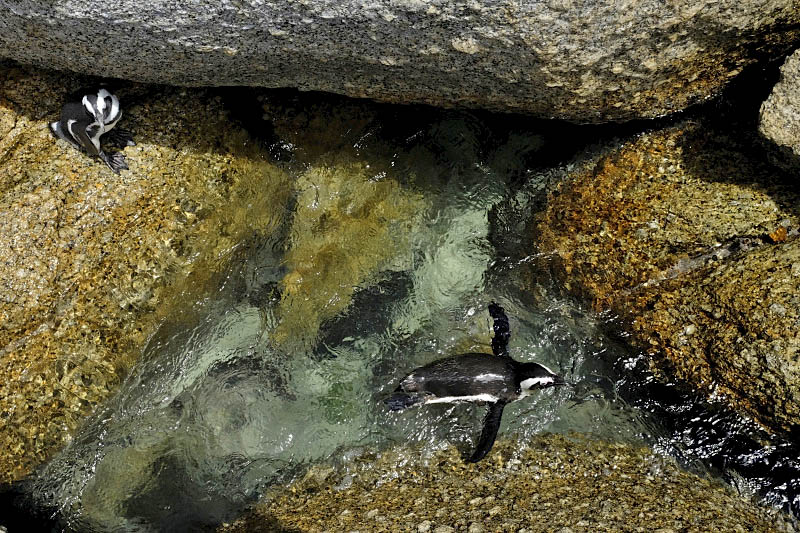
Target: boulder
691,237
780,112
352,217
91,261
581,61
558,483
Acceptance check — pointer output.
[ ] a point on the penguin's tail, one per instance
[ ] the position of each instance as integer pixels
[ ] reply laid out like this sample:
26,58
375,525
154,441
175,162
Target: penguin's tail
401,400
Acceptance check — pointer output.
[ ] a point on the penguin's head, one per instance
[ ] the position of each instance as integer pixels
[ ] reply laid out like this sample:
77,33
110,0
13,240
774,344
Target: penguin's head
102,105
533,376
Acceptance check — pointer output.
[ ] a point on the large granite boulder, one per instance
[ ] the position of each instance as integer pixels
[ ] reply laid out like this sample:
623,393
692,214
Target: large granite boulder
565,484
690,236
780,113
582,61
90,261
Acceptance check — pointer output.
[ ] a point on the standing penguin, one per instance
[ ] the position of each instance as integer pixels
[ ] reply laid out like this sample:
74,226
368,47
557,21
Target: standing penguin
86,116
476,377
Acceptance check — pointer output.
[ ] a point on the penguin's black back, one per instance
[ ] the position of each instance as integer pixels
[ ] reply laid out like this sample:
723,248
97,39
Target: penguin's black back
470,374
74,110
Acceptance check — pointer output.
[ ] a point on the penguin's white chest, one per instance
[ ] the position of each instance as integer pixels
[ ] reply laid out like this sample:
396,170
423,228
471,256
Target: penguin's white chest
484,397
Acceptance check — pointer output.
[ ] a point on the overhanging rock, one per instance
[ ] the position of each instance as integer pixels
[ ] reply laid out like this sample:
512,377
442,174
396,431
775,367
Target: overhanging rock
572,59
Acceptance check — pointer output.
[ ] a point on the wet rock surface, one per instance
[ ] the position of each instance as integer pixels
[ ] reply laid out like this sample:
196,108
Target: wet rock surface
88,257
780,114
688,234
583,61
557,484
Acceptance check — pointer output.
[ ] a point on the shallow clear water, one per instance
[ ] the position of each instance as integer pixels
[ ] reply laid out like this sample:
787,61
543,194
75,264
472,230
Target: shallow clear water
217,410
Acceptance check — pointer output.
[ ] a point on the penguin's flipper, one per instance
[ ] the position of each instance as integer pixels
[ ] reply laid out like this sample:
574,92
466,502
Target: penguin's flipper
119,137
501,329
402,400
491,425
115,161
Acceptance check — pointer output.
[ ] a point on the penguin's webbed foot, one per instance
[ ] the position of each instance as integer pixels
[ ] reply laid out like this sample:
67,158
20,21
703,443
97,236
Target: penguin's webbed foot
119,137
116,161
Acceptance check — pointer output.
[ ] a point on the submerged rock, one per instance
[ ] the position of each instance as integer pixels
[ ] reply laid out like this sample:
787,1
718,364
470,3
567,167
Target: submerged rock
780,113
557,484
89,259
352,216
692,238
348,225
583,61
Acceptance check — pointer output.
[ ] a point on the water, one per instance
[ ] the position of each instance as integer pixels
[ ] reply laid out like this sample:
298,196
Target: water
254,381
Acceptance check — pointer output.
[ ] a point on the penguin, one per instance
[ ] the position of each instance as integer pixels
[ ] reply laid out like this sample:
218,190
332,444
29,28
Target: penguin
86,116
481,378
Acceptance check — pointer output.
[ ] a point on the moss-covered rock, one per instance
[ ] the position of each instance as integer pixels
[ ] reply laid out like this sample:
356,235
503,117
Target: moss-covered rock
89,259
687,233
557,484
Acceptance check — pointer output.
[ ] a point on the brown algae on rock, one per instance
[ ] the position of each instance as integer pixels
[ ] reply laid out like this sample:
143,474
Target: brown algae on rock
575,483
736,325
687,236
90,260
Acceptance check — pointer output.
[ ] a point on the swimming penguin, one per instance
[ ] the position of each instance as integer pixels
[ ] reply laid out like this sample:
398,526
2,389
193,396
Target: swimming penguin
86,116
476,377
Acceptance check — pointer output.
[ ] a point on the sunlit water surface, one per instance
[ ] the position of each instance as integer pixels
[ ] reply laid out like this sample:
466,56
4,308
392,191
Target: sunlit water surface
214,413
